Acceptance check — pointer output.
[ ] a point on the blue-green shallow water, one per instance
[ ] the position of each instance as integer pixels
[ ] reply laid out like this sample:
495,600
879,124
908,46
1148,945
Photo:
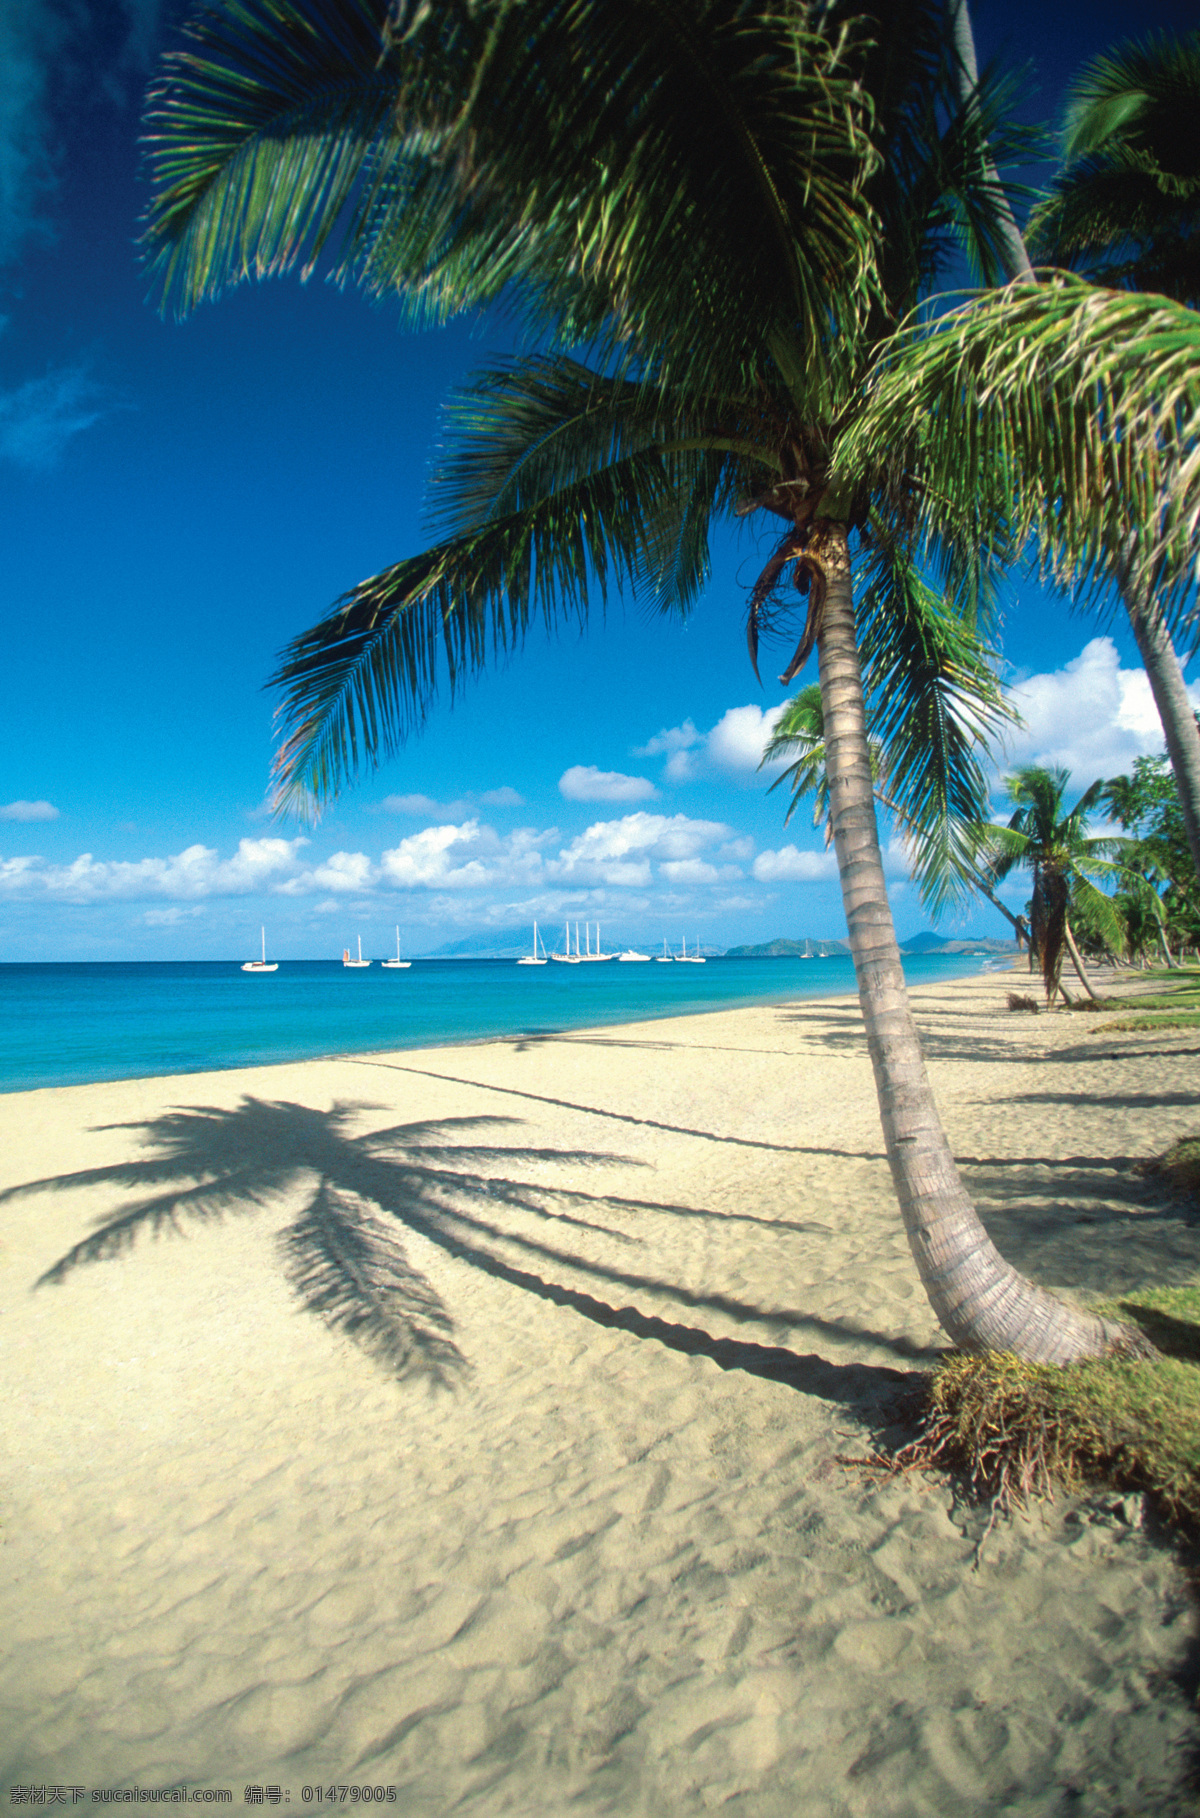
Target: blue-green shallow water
65,1025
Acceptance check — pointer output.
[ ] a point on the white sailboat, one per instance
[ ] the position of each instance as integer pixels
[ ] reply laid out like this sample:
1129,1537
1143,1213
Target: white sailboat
360,961
261,965
690,959
589,955
568,958
394,964
531,959
664,958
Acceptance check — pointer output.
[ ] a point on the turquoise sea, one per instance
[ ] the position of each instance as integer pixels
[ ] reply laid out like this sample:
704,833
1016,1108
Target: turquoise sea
64,1025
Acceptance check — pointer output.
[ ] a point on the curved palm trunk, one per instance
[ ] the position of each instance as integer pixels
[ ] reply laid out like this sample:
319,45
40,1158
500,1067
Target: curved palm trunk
1076,959
1149,628
1180,731
982,1302
1011,244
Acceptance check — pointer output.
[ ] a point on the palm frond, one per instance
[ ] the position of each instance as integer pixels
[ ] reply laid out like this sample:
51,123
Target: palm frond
561,487
934,704
1125,208
1073,411
679,170
352,1270
799,733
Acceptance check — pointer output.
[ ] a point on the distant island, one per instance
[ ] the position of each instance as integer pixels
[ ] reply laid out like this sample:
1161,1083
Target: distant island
920,943
781,949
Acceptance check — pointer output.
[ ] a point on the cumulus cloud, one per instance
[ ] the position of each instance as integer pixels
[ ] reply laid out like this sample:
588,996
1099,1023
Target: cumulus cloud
196,872
345,874
1091,716
791,866
465,857
620,853
584,783
734,745
28,811
502,798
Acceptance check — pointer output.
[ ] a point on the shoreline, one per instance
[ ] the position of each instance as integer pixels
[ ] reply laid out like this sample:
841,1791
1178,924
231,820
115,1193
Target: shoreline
589,1546
426,1040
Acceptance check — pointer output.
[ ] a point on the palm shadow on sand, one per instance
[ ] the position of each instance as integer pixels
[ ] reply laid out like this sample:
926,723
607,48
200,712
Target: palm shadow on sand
451,1182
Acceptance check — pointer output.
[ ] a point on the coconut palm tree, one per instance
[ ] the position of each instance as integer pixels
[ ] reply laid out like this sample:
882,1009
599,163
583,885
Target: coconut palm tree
943,840
1123,208
1053,844
730,206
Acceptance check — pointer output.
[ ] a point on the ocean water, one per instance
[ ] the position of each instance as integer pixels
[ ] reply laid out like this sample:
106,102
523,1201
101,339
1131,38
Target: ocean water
65,1025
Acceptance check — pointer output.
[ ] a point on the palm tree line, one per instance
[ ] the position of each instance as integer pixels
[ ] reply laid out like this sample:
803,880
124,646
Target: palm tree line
734,212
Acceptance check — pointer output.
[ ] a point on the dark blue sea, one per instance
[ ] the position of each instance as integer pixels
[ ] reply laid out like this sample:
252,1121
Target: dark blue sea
65,1025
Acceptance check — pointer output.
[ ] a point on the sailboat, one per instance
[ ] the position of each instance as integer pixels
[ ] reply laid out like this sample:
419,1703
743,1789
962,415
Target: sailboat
360,961
394,964
531,959
664,958
690,959
568,958
589,955
262,965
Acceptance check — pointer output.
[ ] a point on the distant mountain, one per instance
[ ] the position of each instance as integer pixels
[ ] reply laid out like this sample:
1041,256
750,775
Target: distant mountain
781,949
937,943
499,943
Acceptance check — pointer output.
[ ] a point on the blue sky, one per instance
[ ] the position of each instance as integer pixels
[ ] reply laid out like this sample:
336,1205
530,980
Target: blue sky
178,500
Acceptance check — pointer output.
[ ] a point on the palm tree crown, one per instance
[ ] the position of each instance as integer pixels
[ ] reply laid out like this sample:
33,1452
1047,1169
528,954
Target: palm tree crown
1126,205
731,205
1053,843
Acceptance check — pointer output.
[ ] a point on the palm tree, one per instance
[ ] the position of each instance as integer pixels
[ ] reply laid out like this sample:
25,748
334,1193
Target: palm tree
731,206
1053,844
941,831
1124,209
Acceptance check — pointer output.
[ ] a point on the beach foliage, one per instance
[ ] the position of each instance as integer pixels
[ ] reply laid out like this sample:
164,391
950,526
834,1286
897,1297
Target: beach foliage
1146,806
1019,1430
1065,862
708,219
1125,207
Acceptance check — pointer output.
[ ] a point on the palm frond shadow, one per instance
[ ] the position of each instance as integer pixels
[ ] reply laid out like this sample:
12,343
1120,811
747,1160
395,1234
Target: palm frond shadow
344,1252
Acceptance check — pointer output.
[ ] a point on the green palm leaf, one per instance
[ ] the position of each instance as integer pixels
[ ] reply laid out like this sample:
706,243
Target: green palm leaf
1074,410
1126,206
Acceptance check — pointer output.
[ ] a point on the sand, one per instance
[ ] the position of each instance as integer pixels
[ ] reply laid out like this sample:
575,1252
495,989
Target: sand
574,1537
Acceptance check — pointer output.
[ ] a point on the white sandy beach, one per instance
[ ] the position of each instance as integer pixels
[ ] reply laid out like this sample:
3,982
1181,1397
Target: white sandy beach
590,1551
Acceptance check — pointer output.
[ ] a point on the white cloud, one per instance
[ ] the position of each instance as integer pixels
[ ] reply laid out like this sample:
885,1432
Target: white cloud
791,866
1091,716
737,740
670,740
28,811
193,873
694,871
620,853
734,745
466,857
502,798
346,874
584,783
